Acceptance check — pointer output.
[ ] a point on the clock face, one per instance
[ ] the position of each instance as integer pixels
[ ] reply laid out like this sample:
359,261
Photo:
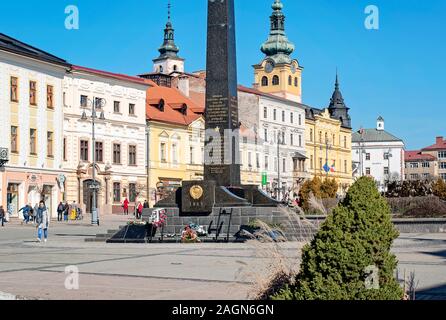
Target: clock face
269,67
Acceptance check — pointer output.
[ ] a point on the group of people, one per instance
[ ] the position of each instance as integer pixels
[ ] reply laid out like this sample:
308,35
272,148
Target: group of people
66,212
39,214
138,208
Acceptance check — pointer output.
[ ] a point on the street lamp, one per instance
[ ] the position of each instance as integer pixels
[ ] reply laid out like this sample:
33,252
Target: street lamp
97,104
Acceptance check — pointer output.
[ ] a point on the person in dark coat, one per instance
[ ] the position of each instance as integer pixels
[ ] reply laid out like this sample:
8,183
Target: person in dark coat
60,210
2,216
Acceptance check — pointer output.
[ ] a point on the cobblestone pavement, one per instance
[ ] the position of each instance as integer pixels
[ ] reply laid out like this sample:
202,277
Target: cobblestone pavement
169,271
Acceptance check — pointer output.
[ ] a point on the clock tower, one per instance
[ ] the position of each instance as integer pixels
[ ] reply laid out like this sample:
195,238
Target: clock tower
278,73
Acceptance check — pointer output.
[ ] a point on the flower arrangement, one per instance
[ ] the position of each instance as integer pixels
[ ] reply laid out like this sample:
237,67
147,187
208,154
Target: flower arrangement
137,223
161,219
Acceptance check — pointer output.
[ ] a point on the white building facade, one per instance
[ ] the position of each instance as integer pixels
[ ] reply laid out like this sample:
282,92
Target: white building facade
120,139
382,155
31,115
272,119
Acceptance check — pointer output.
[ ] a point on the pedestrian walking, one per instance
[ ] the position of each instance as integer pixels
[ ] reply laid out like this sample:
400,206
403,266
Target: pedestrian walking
139,211
2,216
43,222
26,212
36,208
125,205
60,210
66,210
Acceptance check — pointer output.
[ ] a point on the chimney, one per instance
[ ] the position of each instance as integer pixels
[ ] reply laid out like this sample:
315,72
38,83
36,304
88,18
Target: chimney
183,85
439,140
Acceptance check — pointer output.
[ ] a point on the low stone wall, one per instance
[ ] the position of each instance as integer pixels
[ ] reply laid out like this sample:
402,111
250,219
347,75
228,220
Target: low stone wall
405,225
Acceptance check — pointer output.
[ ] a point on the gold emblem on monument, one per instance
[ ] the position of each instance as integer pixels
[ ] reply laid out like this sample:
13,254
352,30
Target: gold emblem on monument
196,192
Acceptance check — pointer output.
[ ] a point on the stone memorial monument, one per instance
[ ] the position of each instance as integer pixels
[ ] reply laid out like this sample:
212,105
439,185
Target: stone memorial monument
221,187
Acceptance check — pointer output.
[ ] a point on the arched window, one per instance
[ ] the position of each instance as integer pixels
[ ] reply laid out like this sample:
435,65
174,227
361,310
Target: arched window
296,82
276,81
161,69
175,68
290,80
264,81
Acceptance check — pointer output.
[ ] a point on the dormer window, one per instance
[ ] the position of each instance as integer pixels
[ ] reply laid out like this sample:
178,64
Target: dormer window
264,81
161,105
276,81
183,109
161,69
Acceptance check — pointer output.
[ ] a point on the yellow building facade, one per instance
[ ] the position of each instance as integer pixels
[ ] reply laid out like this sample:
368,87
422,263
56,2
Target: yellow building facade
328,148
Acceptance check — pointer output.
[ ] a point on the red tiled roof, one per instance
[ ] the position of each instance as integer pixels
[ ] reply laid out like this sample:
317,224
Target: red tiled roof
114,75
439,145
418,156
174,100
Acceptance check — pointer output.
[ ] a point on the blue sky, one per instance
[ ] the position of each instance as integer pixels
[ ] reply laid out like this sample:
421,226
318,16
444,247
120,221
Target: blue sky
397,71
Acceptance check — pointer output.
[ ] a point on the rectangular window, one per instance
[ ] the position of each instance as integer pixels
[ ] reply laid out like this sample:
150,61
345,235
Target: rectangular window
443,176
284,165
64,99
14,89
292,139
258,160
386,170
367,156
132,155
292,117
116,192
345,166
49,145
99,151
33,142
345,142
14,140
320,163
191,155
442,165
283,116
426,165
175,153
311,162
265,112
283,138
116,153
50,97
266,163
367,171
33,93
132,192
311,135
414,165
98,103
414,176
300,119
265,131
300,141
275,164
163,152
131,109
249,160
84,101
275,114
442,154
84,150
426,175
116,107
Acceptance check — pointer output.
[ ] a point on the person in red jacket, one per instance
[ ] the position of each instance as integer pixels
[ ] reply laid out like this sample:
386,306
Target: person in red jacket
139,212
125,205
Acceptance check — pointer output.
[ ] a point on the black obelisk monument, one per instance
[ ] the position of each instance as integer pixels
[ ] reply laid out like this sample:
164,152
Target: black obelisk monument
221,164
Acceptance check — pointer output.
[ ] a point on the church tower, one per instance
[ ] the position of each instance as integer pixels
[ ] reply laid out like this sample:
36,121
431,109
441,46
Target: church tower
338,109
168,62
278,73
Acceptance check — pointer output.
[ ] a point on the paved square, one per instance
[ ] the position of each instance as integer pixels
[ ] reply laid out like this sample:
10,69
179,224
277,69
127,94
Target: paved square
169,271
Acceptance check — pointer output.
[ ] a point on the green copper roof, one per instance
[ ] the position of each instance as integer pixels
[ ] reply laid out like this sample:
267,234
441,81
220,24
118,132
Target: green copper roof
169,49
278,47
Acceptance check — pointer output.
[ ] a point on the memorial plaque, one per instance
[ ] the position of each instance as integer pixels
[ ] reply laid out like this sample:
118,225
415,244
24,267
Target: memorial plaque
198,197
221,95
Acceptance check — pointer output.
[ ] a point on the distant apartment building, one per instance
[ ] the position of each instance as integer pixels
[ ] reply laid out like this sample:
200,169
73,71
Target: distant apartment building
427,163
379,154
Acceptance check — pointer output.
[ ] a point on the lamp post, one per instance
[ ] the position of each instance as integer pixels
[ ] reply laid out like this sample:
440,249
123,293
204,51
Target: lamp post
96,104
